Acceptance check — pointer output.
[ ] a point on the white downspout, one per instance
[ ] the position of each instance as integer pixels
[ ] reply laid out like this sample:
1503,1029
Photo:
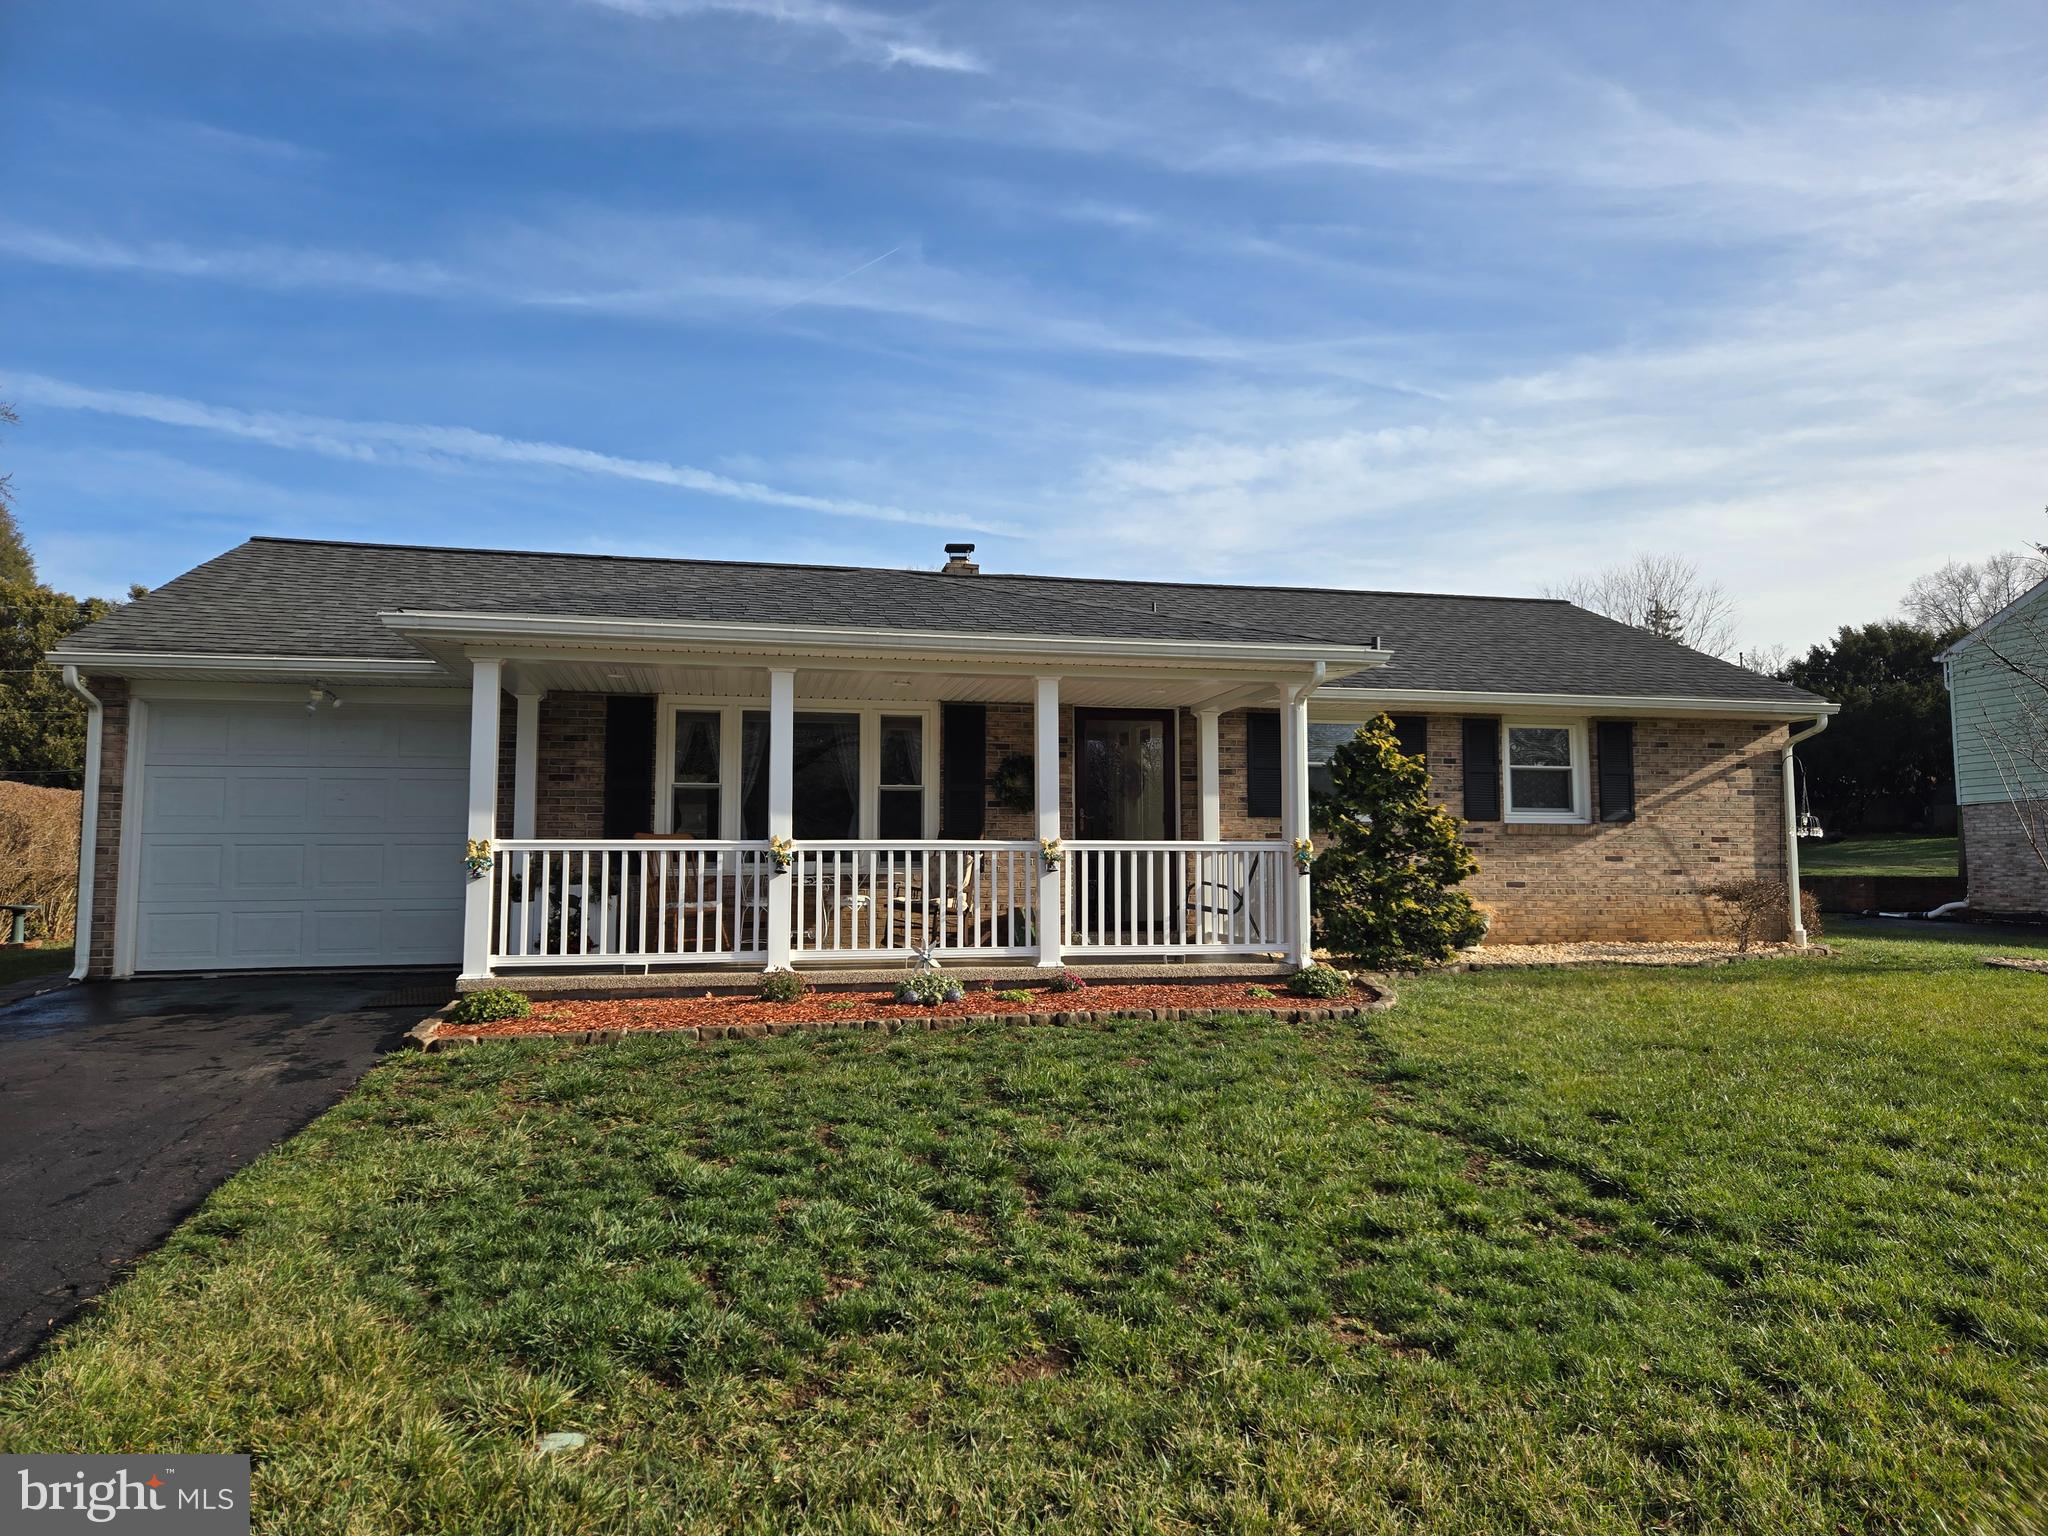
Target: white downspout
88,822
1786,770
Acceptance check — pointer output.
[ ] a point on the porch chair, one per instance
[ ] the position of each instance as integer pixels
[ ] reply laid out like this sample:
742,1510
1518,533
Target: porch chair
1219,899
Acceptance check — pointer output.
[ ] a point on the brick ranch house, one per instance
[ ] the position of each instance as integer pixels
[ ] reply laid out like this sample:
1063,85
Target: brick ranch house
312,754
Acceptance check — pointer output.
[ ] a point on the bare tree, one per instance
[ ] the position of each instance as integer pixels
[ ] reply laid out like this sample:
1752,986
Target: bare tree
1770,660
1964,593
1665,594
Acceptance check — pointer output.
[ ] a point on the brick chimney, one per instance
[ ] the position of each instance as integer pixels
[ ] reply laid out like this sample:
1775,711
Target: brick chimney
957,563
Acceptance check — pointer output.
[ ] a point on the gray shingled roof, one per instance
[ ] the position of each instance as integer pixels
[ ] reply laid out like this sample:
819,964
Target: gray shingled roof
291,597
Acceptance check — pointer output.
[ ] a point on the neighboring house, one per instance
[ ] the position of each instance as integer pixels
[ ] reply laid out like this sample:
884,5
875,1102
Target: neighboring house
1997,679
295,741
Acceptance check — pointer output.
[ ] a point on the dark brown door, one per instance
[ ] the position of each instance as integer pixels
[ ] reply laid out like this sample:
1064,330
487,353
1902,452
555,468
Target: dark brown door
1124,770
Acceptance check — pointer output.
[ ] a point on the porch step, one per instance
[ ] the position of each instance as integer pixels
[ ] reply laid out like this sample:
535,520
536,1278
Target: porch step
574,984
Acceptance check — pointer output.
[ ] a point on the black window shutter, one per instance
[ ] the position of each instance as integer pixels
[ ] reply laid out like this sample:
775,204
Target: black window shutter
1262,762
963,769
628,764
1482,769
1412,732
1617,750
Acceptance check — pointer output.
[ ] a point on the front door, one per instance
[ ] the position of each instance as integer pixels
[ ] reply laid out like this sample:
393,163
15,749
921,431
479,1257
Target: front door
1123,776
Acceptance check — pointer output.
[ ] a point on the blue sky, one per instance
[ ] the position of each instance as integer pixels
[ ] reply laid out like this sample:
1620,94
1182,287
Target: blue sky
1461,297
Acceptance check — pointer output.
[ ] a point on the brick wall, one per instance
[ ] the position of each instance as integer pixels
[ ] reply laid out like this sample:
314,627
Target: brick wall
1238,823
112,692
1709,808
508,751
568,796
2006,876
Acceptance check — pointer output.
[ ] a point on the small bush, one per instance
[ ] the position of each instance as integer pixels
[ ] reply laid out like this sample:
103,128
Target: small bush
783,987
1067,981
929,989
490,1005
1319,981
1757,910
1014,995
1260,992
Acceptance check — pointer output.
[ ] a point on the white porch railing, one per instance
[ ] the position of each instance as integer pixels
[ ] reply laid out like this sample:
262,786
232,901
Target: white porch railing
881,900
1176,898
638,902
563,903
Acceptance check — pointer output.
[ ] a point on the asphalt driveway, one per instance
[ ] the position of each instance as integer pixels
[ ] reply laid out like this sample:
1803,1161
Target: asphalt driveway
122,1105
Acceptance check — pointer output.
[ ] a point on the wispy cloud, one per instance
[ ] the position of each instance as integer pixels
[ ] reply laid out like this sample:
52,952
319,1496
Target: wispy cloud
270,266
441,447
869,35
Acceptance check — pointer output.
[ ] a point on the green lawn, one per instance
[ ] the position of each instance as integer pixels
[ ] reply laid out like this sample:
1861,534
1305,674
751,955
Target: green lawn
1895,854
21,964
1755,1248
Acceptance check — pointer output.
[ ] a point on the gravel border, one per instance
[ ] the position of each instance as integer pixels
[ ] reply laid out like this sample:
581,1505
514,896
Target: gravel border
435,1033
2014,963
1527,957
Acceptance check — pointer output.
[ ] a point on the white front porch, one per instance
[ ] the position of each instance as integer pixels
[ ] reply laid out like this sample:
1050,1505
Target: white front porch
665,900
560,904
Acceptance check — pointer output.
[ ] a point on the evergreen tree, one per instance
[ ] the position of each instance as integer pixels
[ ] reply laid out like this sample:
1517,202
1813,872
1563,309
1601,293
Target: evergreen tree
16,563
42,725
1884,762
1387,876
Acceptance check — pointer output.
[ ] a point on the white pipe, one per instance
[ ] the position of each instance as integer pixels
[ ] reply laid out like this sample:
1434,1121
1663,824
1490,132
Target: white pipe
1787,769
88,823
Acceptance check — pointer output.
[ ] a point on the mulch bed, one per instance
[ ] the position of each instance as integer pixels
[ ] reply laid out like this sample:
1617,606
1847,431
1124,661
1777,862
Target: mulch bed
724,1017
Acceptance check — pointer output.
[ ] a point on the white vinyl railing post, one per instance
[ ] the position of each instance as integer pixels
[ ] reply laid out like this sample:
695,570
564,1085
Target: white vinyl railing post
1046,777
483,815
782,884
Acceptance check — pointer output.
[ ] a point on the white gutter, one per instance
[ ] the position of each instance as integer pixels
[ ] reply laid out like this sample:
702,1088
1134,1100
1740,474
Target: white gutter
1787,768
88,822
123,663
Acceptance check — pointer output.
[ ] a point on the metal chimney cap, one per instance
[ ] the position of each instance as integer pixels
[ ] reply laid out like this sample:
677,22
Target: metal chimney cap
959,549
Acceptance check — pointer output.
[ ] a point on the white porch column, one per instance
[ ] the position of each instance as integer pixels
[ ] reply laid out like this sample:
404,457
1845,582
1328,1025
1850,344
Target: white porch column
781,809
1294,809
1046,776
1212,784
525,764
483,813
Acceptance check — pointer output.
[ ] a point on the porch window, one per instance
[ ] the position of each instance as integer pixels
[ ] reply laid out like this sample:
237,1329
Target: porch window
899,796
825,775
858,770
697,784
1546,766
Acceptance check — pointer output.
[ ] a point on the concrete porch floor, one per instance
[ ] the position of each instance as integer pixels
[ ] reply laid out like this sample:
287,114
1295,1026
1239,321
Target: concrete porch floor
574,984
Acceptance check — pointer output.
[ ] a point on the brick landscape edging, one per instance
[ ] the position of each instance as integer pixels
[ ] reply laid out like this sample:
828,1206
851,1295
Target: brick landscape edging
436,1034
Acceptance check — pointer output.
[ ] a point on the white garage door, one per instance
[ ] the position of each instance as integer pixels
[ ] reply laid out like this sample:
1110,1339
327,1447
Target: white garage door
275,837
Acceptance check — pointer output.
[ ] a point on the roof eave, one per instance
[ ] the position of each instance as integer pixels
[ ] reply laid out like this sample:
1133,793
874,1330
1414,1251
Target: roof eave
1636,704
479,631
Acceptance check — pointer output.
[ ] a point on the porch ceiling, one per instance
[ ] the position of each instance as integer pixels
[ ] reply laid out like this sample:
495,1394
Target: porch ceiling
870,685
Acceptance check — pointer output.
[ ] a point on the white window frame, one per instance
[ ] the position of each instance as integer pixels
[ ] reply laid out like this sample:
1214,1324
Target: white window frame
1581,772
730,712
